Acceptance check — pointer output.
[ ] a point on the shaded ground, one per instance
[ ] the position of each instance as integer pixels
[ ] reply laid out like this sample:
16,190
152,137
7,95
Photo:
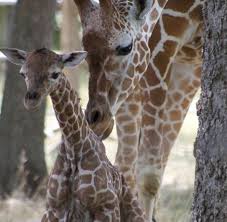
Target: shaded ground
176,192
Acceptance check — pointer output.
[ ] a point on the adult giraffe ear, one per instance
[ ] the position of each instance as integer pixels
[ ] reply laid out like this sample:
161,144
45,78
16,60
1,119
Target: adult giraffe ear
73,59
143,7
15,56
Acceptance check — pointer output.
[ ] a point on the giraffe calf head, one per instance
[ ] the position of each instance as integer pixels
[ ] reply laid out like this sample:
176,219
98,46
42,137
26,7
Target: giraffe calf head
41,70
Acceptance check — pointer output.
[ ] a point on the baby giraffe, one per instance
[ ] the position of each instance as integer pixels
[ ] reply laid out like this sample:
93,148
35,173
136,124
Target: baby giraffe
83,186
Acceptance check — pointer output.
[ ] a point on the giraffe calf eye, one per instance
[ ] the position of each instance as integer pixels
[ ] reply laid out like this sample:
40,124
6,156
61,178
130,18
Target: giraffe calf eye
122,51
55,75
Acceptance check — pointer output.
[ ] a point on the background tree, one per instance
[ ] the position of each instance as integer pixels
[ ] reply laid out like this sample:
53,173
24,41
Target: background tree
31,27
210,197
70,35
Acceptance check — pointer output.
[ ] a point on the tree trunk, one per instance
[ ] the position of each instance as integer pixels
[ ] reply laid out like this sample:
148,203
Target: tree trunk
31,27
210,196
70,38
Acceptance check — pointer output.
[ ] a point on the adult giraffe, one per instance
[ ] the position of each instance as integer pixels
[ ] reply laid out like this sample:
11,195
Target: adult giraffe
144,59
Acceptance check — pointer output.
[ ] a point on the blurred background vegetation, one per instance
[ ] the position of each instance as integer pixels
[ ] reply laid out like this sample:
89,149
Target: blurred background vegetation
28,141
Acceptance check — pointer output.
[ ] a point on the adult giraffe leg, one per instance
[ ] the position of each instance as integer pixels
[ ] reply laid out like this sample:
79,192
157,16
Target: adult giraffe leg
160,127
128,122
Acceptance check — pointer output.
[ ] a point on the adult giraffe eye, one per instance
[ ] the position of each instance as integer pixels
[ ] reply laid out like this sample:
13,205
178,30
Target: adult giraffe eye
122,51
55,75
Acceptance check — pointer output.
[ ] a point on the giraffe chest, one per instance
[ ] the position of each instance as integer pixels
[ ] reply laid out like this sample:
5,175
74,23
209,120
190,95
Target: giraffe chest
96,182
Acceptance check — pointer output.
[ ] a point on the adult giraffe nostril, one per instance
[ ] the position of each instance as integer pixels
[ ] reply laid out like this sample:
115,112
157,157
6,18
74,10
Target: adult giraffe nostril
32,95
95,117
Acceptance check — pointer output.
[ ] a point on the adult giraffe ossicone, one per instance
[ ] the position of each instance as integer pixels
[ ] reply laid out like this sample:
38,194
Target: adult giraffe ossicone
144,58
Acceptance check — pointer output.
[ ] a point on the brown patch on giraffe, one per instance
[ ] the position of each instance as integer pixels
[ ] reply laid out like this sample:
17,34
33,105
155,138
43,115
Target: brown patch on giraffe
111,66
155,37
151,110
153,138
68,110
129,158
86,146
183,7
130,128
198,72
150,78
197,13
161,2
134,109
89,161
170,47
130,140
100,182
127,151
131,70
175,115
148,120
171,22
172,136
177,96
75,126
86,179
126,84
62,117
191,53
72,95
185,103
58,107
177,126
196,83
135,82
74,138
123,118
84,130
66,130
154,14
158,96
125,168
72,120
161,61
87,192
66,96
166,128
189,88
145,28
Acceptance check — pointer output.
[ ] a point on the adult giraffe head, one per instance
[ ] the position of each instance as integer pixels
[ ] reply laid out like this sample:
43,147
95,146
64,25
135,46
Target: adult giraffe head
115,35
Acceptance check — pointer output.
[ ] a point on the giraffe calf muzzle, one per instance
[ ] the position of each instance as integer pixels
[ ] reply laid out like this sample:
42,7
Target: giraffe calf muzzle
32,100
32,95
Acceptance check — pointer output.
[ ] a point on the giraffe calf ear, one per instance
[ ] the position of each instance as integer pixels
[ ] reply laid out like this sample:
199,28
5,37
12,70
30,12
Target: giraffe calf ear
143,7
73,59
15,56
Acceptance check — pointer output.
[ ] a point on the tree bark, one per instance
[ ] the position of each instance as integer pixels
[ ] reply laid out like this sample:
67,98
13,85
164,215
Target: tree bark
31,28
70,38
210,196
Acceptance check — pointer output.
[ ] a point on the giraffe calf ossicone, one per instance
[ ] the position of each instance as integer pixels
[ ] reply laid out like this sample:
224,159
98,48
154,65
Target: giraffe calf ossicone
83,186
